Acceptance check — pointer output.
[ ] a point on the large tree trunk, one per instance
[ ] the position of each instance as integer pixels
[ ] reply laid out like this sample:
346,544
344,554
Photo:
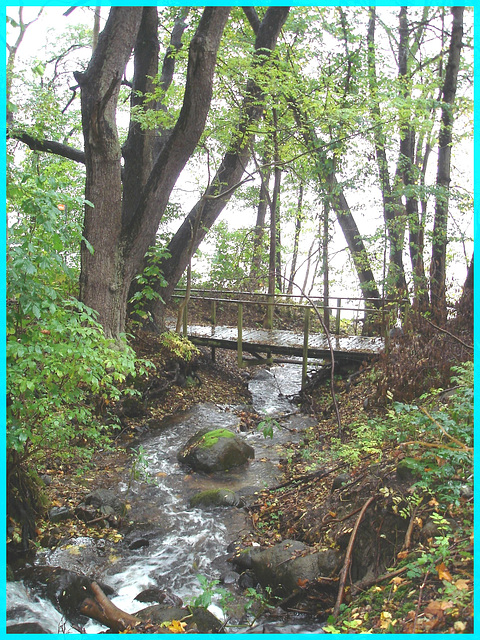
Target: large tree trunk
120,233
393,209
102,268
440,238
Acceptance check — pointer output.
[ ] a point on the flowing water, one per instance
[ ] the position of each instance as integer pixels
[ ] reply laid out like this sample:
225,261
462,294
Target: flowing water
179,542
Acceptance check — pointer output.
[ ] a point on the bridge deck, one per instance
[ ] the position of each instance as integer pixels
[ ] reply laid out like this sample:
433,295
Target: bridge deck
283,342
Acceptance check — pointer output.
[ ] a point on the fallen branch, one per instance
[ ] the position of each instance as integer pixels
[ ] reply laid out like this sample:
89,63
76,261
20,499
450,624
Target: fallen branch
433,445
361,585
348,557
101,609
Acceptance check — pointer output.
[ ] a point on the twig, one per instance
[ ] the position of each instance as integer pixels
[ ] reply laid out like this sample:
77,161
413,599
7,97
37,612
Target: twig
419,602
348,557
365,584
467,346
464,446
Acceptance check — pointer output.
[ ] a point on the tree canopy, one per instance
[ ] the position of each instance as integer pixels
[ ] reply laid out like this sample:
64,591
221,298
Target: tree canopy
344,129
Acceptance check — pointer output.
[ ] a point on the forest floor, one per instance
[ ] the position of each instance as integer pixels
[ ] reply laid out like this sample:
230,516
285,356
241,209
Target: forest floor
438,599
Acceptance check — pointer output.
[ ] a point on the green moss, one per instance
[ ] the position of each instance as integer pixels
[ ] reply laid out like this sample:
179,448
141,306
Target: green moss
211,438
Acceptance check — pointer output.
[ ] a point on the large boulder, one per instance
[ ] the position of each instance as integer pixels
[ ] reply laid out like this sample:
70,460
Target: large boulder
216,498
215,451
289,564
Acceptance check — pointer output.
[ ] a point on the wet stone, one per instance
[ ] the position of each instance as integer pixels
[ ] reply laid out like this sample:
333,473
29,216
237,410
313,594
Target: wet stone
58,514
26,627
230,577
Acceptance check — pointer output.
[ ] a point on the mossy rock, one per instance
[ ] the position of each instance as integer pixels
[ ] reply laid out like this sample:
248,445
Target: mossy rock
215,450
211,438
216,498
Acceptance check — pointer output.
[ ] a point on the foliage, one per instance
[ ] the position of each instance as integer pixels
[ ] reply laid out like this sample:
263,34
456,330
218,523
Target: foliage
58,358
440,442
139,471
267,425
146,281
211,593
231,259
177,347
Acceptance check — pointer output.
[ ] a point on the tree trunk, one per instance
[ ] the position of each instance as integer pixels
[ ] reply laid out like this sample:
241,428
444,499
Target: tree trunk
120,233
354,240
339,204
256,276
440,238
392,207
296,240
229,173
102,270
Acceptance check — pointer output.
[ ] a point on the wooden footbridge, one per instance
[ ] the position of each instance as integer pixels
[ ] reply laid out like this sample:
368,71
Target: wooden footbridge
302,344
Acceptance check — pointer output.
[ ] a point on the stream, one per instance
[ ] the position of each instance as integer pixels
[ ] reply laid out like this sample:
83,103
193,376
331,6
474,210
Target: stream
174,542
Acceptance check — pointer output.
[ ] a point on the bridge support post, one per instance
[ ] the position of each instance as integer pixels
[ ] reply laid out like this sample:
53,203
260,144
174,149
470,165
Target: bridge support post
214,312
270,306
240,336
337,321
306,328
185,322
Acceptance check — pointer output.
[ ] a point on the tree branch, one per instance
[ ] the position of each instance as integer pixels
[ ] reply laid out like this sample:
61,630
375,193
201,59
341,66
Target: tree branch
48,146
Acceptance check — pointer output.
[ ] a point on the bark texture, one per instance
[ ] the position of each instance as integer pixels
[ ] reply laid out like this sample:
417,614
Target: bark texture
120,229
440,237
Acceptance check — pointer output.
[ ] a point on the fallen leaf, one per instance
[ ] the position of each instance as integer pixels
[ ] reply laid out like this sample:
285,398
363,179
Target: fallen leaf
443,572
386,620
302,582
177,626
462,584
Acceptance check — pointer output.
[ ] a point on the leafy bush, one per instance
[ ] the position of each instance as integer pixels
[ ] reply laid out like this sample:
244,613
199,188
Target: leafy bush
441,441
57,355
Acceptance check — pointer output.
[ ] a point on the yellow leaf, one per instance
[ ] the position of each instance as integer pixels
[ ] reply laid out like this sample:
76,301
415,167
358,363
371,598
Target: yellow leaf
443,572
385,620
177,626
402,555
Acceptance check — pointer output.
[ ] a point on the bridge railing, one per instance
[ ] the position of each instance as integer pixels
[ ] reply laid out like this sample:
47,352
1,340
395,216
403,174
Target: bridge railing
270,302
375,312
